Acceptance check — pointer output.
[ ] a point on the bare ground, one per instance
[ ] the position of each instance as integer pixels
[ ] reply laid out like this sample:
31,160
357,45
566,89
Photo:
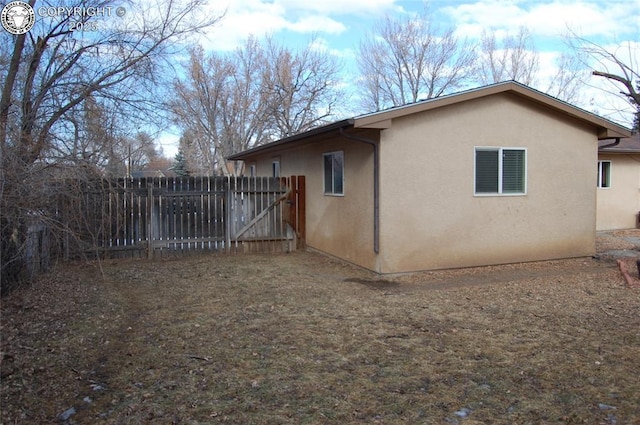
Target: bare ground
301,338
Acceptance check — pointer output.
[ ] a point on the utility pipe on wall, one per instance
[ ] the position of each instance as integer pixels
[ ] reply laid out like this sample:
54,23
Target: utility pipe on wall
376,185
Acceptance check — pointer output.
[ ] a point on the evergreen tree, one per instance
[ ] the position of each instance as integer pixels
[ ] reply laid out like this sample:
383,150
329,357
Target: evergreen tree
180,165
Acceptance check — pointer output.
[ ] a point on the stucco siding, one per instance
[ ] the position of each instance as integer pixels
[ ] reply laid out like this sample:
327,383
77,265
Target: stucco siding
619,204
341,226
431,218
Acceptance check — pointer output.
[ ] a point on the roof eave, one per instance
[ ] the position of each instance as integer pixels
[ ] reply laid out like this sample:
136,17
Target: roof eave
613,133
292,139
620,151
384,119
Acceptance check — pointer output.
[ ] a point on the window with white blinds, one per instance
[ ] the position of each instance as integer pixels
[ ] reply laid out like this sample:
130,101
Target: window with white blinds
500,171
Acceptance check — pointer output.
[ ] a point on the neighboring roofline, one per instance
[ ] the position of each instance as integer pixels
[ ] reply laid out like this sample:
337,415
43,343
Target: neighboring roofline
620,151
629,145
328,128
382,119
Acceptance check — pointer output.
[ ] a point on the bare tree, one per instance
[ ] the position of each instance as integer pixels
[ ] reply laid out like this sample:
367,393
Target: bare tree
567,82
515,57
509,58
228,103
62,68
299,87
221,103
403,61
620,65
134,153
83,137
52,72
189,146
243,112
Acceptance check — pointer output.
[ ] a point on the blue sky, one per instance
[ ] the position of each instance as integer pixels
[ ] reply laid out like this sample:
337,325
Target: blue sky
340,25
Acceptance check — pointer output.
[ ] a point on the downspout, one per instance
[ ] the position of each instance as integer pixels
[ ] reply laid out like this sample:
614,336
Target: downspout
610,145
376,186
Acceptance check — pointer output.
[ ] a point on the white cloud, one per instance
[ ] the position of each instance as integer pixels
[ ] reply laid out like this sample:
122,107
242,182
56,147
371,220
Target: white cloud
260,17
322,45
340,7
169,142
241,19
470,19
611,24
339,25
546,18
314,24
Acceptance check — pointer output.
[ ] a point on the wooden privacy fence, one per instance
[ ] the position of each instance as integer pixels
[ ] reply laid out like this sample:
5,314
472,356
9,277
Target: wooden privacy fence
163,216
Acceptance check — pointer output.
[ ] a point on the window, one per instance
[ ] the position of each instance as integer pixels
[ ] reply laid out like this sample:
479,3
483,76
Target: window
500,171
275,168
252,170
604,174
333,173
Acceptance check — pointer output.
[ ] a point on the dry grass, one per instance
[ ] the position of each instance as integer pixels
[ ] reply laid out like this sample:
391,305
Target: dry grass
299,338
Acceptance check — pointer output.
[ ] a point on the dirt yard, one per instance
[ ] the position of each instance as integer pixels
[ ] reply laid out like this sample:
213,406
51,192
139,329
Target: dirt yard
300,338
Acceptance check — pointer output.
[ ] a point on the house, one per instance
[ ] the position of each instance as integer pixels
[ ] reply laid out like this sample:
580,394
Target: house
498,174
619,184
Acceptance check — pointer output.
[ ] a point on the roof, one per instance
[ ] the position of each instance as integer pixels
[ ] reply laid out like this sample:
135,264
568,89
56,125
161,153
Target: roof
628,145
383,119
322,130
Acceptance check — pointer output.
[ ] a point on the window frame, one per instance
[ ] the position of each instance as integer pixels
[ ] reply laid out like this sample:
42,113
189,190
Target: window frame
500,150
608,177
332,191
275,167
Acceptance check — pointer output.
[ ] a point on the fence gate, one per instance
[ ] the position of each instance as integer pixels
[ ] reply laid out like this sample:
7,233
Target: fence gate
173,216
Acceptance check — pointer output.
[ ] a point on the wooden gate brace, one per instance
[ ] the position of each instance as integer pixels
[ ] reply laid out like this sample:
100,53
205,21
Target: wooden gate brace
263,213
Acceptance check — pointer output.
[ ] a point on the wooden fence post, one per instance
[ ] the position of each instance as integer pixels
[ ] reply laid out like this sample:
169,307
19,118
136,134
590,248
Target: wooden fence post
228,214
150,215
301,213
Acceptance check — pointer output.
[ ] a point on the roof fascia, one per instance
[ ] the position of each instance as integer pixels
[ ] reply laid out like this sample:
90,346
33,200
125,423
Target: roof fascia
381,125
611,133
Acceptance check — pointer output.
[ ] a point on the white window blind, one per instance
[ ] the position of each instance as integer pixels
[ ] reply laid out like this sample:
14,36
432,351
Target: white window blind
500,171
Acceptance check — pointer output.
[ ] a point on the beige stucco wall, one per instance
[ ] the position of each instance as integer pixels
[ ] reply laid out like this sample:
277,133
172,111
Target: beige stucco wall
429,215
619,204
338,225
430,218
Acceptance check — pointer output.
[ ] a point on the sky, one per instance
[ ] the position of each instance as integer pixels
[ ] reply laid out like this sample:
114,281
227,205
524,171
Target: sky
340,25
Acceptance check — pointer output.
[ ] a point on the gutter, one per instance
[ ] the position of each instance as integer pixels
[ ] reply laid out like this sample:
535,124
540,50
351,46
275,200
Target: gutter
376,185
610,145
